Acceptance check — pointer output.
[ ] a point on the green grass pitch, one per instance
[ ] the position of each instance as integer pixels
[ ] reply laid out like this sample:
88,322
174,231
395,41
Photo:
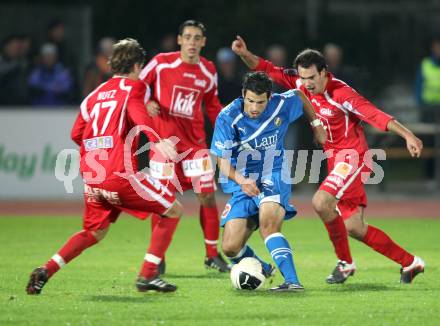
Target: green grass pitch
98,287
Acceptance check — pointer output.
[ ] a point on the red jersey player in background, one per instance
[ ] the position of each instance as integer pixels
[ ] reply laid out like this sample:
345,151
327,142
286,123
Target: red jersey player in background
106,130
180,82
341,199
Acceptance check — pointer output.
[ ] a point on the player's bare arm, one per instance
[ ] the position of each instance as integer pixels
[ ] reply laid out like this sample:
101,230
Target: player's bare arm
413,143
248,186
240,48
319,132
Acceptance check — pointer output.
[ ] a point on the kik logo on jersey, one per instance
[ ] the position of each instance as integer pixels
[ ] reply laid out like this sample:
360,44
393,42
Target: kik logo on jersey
183,101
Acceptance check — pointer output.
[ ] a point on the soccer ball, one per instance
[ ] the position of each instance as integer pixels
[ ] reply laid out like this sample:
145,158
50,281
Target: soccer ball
247,274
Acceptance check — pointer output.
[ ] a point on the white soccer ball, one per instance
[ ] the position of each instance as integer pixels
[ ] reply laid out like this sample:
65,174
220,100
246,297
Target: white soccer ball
247,274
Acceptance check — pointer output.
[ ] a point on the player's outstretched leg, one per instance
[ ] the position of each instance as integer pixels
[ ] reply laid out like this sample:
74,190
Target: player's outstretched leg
161,237
382,243
281,253
73,247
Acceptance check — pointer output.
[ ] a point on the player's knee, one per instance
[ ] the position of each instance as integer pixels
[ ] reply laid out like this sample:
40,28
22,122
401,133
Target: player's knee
356,231
206,199
269,227
230,249
99,234
322,202
175,211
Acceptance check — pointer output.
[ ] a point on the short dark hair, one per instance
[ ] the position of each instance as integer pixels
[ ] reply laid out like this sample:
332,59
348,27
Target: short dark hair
126,53
308,58
193,23
258,82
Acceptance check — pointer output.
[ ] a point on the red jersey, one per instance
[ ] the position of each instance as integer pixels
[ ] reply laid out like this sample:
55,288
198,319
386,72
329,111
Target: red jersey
340,108
180,88
107,115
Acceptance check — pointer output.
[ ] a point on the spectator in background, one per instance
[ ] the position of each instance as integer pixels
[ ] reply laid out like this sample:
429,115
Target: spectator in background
99,70
229,86
14,69
50,82
428,84
278,55
334,55
168,43
428,98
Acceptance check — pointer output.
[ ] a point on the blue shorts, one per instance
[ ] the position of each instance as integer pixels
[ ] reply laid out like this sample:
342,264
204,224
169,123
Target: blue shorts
241,205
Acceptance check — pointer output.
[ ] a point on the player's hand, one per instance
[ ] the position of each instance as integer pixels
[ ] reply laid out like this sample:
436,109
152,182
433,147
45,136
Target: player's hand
320,135
249,187
153,108
239,46
414,146
166,148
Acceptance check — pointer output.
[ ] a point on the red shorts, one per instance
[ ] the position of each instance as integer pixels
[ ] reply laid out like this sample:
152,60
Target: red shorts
139,196
194,171
345,181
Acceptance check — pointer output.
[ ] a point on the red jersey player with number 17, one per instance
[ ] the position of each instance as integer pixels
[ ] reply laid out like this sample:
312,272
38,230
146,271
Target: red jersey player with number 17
106,129
180,82
341,198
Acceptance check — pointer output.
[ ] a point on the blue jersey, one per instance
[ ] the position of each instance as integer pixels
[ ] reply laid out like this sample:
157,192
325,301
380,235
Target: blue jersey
255,147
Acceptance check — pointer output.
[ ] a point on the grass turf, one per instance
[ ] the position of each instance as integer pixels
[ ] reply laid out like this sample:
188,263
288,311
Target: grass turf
98,287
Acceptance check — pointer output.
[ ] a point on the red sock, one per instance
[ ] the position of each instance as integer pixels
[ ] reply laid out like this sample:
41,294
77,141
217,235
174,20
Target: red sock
382,243
211,229
155,218
338,235
160,240
72,248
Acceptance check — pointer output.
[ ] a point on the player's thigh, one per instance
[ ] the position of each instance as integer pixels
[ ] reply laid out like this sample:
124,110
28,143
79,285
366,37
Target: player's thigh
239,206
141,195
271,213
344,177
98,212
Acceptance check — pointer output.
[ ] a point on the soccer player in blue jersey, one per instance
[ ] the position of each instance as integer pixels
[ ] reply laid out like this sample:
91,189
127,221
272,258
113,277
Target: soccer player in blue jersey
254,126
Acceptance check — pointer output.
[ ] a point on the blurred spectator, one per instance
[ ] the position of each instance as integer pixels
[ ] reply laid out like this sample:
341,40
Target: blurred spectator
428,84
428,99
334,56
278,55
168,43
99,70
50,82
14,68
229,85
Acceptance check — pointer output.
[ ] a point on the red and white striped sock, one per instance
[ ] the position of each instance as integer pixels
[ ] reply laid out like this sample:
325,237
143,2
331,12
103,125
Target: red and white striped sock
160,240
211,229
71,249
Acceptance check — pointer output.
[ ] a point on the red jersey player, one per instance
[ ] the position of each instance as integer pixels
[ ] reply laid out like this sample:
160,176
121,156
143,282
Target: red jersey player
180,82
106,130
341,198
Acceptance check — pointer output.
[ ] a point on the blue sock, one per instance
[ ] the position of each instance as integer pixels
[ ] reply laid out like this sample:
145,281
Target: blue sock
282,256
249,252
